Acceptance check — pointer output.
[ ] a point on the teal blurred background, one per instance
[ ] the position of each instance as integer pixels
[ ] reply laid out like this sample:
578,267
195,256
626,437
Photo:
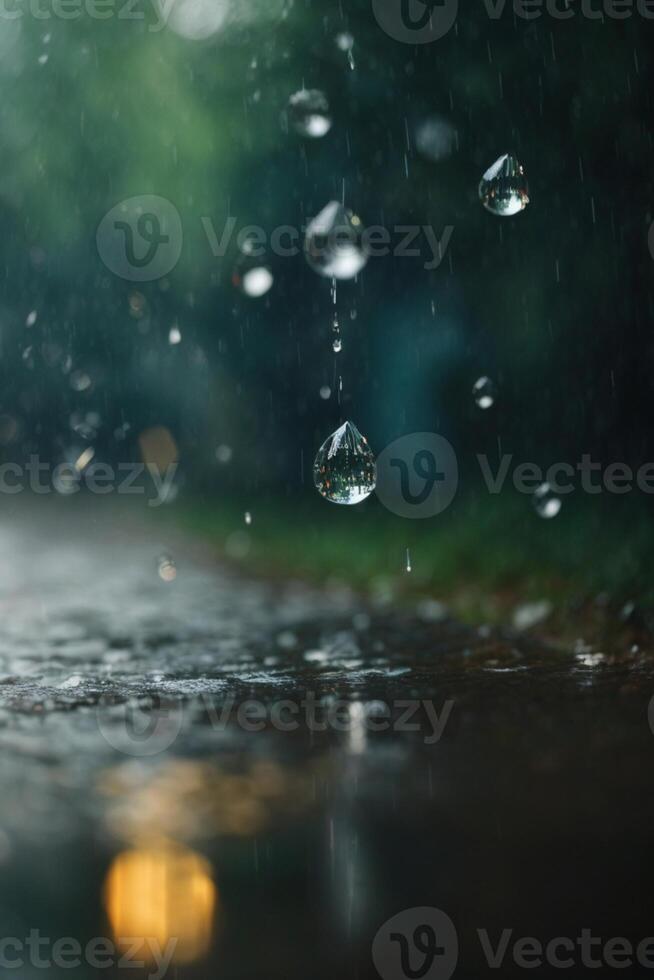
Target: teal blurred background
555,305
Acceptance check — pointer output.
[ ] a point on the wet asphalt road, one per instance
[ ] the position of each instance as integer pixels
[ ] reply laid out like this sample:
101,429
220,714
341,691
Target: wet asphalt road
313,764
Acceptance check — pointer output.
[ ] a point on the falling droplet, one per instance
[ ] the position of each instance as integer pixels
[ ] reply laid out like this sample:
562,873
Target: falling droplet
325,393
333,244
174,336
503,189
409,567
80,381
252,275
484,393
167,569
337,343
547,504
308,112
344,470
248,517
344,41
435,138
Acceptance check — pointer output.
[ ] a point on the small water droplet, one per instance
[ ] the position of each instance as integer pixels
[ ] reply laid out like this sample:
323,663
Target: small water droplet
167,568
31,319
80,381
337,343
503,189
409,567
224,453
435,138
333,245
308,112
547,504
252,276
174,336
344,470
484,393
325,393
248,517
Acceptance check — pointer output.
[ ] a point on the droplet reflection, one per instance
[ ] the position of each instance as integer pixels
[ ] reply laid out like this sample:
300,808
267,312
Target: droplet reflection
333,245
503,189
344,471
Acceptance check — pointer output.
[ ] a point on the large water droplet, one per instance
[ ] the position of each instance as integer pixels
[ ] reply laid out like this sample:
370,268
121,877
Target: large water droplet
333,244
546,502
308,112
503,189
344,470
484,393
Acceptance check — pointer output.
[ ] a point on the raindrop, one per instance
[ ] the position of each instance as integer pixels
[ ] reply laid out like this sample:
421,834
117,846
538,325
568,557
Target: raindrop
333,245
337,343
344,470
252,276
80,381
248,517
224,454
344,41
484,393
167,568
436,138
409,567
174,336
84,458
503,189
325,393
547,504
308,111
31,319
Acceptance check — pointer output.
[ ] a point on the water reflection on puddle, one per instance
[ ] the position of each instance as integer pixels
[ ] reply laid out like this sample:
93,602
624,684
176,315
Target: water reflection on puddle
260,776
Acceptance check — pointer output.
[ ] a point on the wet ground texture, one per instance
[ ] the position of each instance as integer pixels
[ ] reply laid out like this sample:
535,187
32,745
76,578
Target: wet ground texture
268,772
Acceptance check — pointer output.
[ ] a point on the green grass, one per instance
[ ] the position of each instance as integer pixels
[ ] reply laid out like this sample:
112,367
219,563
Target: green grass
481,557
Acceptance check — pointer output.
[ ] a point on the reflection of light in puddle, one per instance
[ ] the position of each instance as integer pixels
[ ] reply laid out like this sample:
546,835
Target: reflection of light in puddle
191,800
161,896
